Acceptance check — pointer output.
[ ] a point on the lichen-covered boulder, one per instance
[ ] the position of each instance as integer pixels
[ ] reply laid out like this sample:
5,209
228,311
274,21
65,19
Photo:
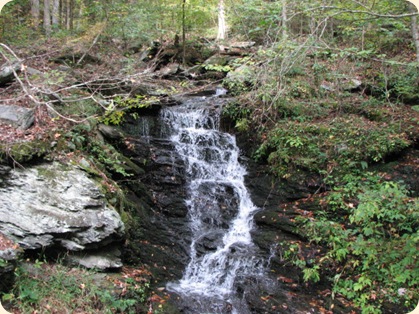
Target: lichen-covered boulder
53,205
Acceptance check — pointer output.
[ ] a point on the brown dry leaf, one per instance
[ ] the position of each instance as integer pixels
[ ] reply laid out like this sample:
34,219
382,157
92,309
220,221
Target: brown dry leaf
285,279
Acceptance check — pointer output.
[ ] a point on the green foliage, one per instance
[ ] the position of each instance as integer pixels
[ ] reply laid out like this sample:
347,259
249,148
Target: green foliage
116,111
54,288
242,125
22,152
256,19
103,155
311,274
218,68
109,157
340,144
403,83
3,262
373,245
239,114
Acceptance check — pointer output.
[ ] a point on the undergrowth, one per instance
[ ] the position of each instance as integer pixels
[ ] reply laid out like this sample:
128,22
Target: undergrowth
369,229
333,113
46,288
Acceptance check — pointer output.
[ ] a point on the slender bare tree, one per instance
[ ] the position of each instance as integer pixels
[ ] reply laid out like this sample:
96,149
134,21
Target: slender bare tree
284,19
56,13
222,26
414,29
47,18
69,14
184,31
35,13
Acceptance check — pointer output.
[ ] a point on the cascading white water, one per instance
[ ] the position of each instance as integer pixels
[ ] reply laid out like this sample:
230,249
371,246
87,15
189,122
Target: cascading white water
220,208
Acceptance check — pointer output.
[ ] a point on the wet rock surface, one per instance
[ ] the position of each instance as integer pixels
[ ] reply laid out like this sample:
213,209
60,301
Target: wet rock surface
161,241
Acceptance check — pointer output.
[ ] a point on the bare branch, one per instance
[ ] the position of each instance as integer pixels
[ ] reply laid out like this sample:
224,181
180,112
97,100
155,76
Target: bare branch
33,90
366,12
390,16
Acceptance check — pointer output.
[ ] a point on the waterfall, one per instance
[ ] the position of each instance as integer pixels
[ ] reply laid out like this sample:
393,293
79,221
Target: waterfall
219,207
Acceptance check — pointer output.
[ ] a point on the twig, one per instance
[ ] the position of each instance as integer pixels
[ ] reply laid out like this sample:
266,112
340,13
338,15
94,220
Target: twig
28,92
91,46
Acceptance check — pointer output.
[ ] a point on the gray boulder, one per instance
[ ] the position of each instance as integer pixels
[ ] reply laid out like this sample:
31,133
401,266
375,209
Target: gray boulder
168,70
7,72
20,117
244,74
110,132
53,205
100,259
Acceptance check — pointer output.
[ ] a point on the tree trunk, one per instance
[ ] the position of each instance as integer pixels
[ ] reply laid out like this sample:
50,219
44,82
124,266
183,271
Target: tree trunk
183,33
47,18
69,14
79,14
35,13
284,19
222,27
414,29
56,13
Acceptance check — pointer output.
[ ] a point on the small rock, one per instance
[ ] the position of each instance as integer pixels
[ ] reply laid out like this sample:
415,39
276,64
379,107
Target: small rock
7,72
110,133
170,69
102,259
20,117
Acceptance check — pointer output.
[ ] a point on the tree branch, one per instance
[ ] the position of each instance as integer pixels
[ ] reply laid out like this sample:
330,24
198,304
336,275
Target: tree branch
390,16
367,12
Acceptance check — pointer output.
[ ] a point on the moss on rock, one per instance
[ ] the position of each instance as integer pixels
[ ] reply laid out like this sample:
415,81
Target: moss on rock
22,152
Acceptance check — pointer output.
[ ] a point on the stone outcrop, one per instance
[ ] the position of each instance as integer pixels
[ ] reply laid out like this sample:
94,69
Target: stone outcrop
159,195
7,72
103,258
20,117
56,206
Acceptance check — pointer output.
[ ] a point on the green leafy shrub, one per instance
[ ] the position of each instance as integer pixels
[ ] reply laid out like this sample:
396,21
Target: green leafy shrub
240,115
372,247
218,67
115,112
404,84
56,288
340,144
103,155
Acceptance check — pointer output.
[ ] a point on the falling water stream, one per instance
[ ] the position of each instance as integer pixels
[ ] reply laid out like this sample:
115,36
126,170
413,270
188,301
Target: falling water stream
220,210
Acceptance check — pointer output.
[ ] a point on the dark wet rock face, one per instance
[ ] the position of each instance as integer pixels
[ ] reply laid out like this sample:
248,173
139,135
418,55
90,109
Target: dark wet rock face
159,192
9,256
